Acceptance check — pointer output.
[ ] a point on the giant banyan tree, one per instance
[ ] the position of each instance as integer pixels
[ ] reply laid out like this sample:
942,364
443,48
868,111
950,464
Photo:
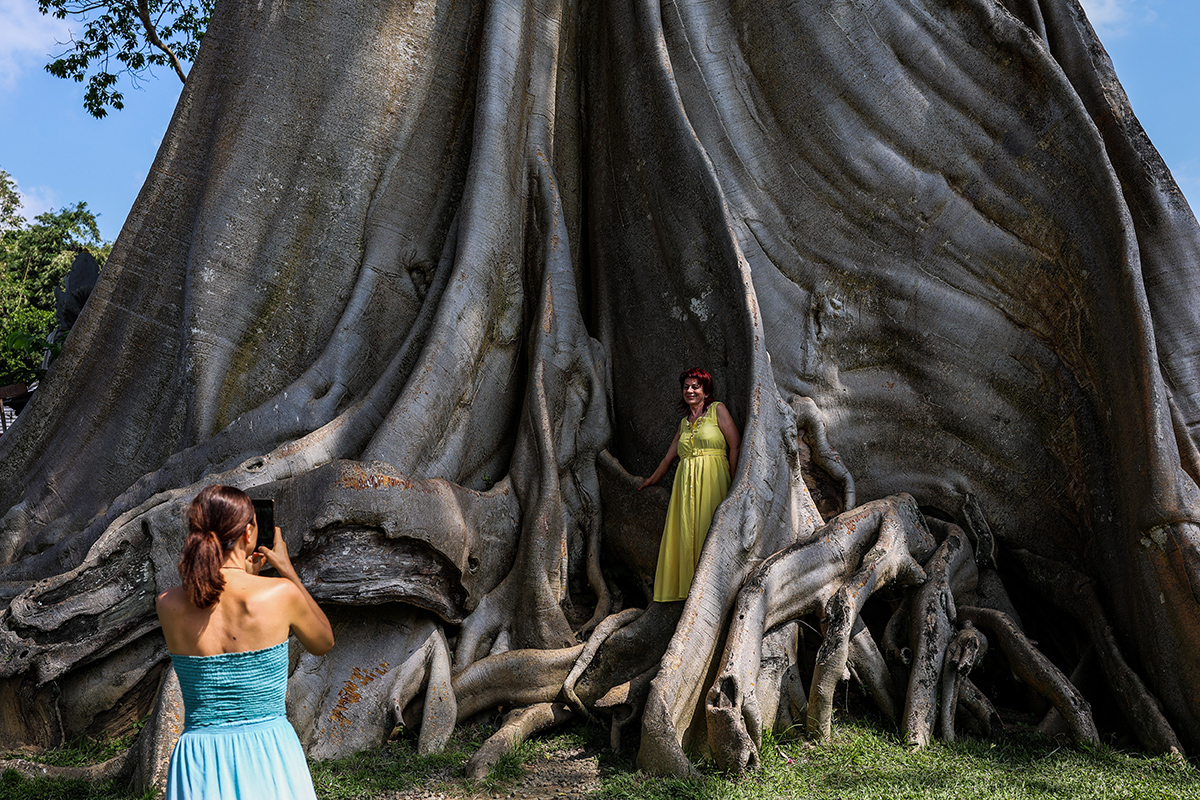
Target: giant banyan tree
425,273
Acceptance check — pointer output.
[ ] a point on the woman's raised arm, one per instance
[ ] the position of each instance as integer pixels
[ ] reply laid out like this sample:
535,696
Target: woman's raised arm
305,618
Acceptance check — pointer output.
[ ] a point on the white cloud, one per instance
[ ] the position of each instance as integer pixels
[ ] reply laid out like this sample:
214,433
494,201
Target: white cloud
35,200
1113,18
27,38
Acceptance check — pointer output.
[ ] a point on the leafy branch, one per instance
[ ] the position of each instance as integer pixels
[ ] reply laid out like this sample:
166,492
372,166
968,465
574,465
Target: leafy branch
126,37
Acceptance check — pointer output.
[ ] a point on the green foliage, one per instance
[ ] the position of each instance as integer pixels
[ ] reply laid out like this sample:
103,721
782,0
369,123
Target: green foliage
23,335
37,256
10,204
125,38
34,259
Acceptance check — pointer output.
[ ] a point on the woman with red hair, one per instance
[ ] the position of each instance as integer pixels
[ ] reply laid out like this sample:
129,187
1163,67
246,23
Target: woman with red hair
227,629
701,482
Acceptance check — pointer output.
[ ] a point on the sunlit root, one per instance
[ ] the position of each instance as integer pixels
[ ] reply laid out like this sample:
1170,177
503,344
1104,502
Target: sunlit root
809,417
115,767
352,698
598,638
99,606
152,751
375,534
515,678
903,537
878,540
625,703
930,631
1036,670
518,725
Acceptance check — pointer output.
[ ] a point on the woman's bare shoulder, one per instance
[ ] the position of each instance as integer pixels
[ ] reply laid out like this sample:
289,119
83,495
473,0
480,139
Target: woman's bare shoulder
272,589
171,598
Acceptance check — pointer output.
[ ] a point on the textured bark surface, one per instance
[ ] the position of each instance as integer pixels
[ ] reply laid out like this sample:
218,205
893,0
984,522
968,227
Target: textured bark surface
425,273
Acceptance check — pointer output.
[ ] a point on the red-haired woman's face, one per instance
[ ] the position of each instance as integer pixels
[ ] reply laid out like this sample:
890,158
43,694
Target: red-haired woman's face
693,391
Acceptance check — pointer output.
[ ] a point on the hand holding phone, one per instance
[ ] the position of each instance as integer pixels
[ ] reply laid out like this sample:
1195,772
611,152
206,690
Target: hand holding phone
264,517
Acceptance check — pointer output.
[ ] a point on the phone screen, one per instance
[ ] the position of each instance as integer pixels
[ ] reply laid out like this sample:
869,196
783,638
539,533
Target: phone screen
264,515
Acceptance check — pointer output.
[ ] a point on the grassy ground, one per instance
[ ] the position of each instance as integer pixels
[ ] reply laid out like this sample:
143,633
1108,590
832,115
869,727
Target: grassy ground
861,762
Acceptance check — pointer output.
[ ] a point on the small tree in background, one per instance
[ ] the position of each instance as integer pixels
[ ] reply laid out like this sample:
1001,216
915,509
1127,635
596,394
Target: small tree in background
23,343
10,204
34,258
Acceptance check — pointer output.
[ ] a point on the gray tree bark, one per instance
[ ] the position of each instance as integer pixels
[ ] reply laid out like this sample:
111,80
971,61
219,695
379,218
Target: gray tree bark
425,273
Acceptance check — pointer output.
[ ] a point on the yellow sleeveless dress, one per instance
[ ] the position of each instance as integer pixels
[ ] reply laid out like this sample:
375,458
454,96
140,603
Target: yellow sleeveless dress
701,483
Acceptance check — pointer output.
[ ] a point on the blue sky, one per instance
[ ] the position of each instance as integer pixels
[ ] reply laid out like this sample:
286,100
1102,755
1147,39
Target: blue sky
58,154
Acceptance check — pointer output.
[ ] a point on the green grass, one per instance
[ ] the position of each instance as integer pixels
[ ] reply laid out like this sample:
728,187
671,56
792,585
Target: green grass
396,767
13,786
861,762
80,752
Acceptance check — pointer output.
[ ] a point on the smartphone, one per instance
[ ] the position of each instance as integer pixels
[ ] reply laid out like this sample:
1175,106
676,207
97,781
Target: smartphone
264,515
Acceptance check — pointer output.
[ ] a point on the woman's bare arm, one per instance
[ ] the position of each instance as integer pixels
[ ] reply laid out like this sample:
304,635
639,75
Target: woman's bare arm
733,437
305,617
672,454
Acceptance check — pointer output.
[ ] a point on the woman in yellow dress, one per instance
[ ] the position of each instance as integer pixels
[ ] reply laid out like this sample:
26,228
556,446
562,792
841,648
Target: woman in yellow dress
701,482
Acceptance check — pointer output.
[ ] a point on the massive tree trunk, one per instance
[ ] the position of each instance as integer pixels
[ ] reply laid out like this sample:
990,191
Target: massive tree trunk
425,273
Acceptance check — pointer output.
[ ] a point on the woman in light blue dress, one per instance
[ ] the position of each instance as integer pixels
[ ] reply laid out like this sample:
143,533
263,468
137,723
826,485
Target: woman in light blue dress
227,629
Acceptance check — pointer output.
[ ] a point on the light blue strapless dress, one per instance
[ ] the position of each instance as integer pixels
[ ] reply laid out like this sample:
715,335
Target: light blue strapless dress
237,743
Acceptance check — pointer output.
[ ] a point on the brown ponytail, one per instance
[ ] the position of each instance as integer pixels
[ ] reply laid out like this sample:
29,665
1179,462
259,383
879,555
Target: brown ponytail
216,518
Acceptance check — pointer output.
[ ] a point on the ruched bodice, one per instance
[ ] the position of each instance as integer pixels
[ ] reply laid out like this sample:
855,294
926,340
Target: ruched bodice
233,687
703,438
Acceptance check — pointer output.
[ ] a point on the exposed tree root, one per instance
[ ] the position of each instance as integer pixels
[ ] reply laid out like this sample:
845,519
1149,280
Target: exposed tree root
518,725
1036,670
931,627
1075,593
895,558
352,699
115,767
869,668
628,652
966,650
161,732
809,417
625,702
834,573
598,638
514,678
1086,677
986,717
